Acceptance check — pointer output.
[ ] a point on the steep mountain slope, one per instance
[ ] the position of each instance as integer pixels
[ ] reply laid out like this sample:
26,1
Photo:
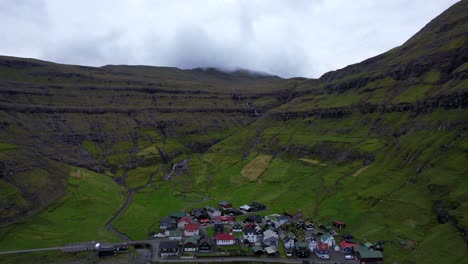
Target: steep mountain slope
380,144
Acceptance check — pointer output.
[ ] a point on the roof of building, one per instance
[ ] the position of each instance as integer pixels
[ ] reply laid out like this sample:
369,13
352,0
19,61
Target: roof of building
186,219
291,235
224,237
257,249
325,237
365,253
368,244
169,244
339,222
271,250
205,240
191,227
166,221
224,203
191,240
175,233
301,244
322,246
344,244
177,214
249,231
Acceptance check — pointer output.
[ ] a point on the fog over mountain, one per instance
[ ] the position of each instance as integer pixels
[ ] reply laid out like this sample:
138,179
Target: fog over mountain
285,38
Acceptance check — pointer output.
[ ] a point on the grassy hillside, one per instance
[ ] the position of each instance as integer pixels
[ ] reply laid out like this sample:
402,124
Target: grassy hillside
79,216
381,145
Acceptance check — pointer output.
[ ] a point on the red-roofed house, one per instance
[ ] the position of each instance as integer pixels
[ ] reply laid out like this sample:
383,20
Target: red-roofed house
183,221
347,247
191,229
225,239
322,251
225,218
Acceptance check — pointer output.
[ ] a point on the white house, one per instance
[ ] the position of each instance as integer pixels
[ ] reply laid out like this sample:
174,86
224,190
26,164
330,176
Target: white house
313,245
191,229
225,239
250,235
212,212
246,208
328,239
270,238
289,243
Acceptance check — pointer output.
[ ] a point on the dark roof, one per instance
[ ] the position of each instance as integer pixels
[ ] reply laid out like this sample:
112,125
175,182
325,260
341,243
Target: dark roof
249,231
169,244
365,253
205,240
167,221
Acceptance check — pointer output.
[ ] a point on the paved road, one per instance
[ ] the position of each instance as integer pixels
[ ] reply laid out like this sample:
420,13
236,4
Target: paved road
64,249
116,216
154,244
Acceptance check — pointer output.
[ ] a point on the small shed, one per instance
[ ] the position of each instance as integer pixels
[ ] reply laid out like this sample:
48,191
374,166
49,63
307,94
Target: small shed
339,224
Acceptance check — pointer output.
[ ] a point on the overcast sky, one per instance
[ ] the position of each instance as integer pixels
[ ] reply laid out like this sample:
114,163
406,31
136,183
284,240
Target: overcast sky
287,38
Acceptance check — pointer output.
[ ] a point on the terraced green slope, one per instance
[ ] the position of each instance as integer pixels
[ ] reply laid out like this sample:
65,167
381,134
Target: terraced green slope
381,144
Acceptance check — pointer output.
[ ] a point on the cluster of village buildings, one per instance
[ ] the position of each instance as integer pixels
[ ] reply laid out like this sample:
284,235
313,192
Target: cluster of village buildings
186,235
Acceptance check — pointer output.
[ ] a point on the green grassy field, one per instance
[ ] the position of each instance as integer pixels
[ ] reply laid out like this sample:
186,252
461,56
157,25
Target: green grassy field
80,216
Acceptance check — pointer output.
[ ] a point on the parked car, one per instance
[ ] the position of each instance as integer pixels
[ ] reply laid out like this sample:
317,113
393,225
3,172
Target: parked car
349,257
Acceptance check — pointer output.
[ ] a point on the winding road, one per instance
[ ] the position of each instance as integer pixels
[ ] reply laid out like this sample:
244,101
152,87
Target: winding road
109,227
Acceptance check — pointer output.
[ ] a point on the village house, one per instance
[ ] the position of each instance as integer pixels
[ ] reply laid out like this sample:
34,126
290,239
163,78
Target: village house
219,227
232,211
254,219
302,251
169,230
364,255
270,238
271,250
281,220
328,239
289,241
191,230
199,214
225,219
346,247
237,227
258,250
225,239
204,245
322,251
183,221
190,244
212,212
313,245
250,235
225,205
176,215
309,225
338,224
257,206
175,235
166,222
246,208
169,248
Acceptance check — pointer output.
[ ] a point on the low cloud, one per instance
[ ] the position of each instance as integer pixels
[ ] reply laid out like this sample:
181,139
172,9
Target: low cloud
286,38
